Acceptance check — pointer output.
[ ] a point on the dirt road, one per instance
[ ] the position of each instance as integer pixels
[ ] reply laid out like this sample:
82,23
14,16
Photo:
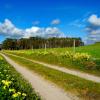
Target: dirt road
47,90
65,70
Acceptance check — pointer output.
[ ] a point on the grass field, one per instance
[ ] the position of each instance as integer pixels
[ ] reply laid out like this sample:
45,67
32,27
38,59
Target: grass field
57,56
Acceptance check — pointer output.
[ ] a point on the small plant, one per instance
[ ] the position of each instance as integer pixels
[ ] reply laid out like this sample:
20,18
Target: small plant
81,57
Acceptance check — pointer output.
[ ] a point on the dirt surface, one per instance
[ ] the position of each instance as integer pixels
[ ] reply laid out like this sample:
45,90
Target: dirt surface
46,89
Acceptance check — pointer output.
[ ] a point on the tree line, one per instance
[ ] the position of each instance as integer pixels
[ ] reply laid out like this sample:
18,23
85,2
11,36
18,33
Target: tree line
38,42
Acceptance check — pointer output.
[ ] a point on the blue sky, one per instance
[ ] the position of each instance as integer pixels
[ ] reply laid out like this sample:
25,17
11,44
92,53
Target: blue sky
69,16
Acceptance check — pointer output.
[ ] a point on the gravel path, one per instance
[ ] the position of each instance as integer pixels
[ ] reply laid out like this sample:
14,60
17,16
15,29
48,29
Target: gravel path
65,70
47,90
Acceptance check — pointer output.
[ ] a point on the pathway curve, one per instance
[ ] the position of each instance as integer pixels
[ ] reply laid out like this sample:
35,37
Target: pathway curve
65,70
47,90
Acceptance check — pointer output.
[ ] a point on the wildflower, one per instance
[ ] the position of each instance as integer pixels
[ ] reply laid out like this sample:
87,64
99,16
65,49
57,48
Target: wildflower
15,95
6,83
19,93
12,90
24,94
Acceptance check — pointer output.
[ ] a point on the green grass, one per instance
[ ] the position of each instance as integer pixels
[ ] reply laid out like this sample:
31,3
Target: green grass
93,50
83,88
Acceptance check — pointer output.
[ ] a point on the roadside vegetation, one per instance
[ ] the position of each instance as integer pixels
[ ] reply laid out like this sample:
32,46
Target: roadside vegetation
85,58
12,84
84,89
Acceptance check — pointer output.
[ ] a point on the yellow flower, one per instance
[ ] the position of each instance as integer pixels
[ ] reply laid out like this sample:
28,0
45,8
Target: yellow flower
15,95
12,90
6,83
24,94
19,93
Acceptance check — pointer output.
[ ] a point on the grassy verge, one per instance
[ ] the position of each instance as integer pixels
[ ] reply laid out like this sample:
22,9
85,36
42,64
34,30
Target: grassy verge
12,85
85,89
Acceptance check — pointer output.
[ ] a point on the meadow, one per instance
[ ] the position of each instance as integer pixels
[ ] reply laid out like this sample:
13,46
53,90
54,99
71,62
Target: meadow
12,85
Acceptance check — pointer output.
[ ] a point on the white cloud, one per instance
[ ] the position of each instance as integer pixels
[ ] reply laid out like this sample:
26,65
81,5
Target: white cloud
53,32
55,22
93,28
43,32
34,31
8,29
94,19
